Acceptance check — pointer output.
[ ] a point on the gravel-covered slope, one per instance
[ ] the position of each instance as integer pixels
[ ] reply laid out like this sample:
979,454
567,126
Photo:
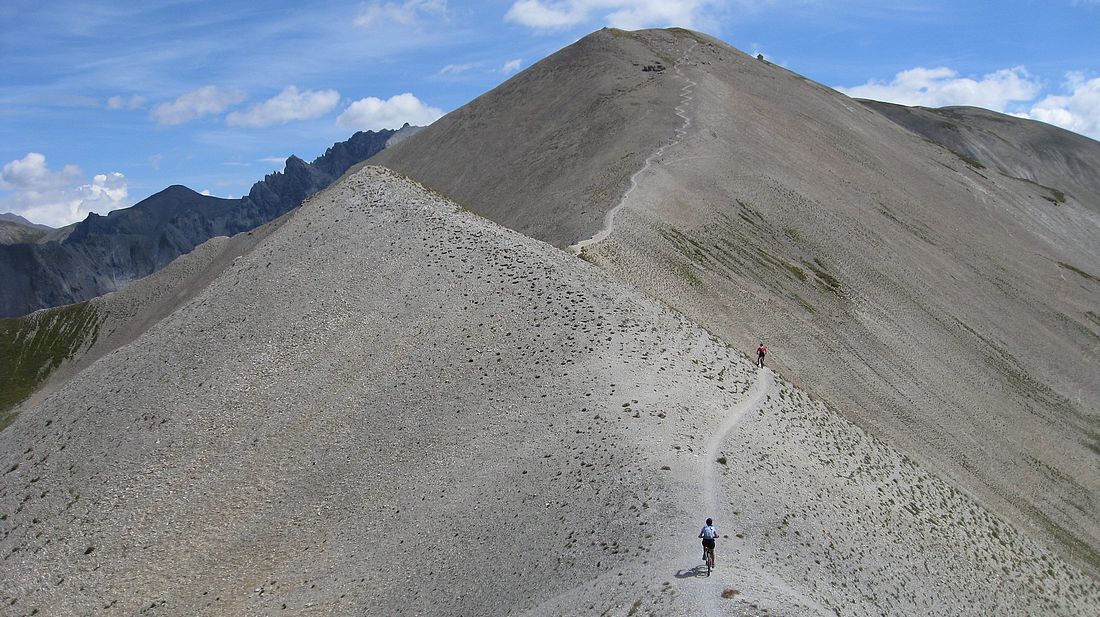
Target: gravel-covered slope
40,351
392,406
549,151
1065,163
947,305
385,404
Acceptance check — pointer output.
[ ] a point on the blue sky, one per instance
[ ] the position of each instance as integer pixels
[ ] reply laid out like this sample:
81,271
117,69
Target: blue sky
101,106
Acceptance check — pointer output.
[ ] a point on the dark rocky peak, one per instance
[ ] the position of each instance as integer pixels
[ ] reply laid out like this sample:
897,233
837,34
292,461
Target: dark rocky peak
103,253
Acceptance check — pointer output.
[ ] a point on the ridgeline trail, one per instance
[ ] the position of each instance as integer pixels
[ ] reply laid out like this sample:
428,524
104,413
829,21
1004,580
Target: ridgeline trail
686,96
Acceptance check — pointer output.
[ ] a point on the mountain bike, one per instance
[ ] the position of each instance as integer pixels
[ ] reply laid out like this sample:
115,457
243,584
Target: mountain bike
708,551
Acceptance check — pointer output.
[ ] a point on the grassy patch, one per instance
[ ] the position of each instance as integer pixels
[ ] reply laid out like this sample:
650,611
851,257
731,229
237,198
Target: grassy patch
973,162
794,234
32,346
798,273
819,269
806,305
1080,549
920,233
1092,441
1055,197
1079,271
1093,317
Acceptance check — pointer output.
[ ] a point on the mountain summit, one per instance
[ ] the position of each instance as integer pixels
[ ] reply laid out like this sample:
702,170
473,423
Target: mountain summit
382,403
938,286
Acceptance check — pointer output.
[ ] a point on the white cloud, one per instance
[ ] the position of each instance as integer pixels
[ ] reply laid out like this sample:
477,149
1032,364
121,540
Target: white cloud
154,161
1079,111
455,69
942,86
511,66
408,13
57,198
119,102
31,173
205,101
290,104
626,14
374,114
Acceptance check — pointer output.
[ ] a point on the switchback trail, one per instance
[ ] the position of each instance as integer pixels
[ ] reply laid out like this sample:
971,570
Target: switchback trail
687,93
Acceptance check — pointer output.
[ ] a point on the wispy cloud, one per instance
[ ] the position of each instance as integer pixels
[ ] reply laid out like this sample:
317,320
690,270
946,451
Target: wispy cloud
1012,90
57,198
456,69
205,101
119,102
290,104
374,114
627,14
942,86
1079,110
511,66
408,13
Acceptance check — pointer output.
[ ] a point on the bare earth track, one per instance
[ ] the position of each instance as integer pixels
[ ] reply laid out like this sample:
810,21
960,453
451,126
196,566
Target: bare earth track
681,111
387,374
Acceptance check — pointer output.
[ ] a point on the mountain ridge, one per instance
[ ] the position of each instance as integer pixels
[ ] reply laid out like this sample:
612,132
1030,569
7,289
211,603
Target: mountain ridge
384,376
929,299
105,253
326,406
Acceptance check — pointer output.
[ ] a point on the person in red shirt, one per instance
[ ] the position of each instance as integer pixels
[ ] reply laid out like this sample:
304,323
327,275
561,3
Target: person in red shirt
761,351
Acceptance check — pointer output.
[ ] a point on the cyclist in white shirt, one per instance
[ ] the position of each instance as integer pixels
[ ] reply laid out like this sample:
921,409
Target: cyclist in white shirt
709,533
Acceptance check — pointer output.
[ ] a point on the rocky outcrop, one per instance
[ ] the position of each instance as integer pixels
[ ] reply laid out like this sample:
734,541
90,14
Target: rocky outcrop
105,253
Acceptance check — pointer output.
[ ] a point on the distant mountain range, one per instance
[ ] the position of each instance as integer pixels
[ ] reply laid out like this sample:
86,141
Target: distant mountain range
15,229
42,267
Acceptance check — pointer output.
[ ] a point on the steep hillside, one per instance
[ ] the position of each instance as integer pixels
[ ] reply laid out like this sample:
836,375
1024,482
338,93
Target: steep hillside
945,305
105,253
1064,163
391,406
586,118
40,351
15,229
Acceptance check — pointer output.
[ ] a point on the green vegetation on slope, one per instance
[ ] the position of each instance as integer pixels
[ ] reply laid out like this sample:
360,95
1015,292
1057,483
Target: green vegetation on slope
1079,272
32,346
1055,197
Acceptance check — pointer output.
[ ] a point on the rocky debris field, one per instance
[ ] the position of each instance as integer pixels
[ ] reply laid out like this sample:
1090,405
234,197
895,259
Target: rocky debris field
392,406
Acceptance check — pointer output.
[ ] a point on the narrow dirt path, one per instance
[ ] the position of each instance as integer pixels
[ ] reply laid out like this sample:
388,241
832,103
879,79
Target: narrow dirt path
687,93
704,597
757,394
